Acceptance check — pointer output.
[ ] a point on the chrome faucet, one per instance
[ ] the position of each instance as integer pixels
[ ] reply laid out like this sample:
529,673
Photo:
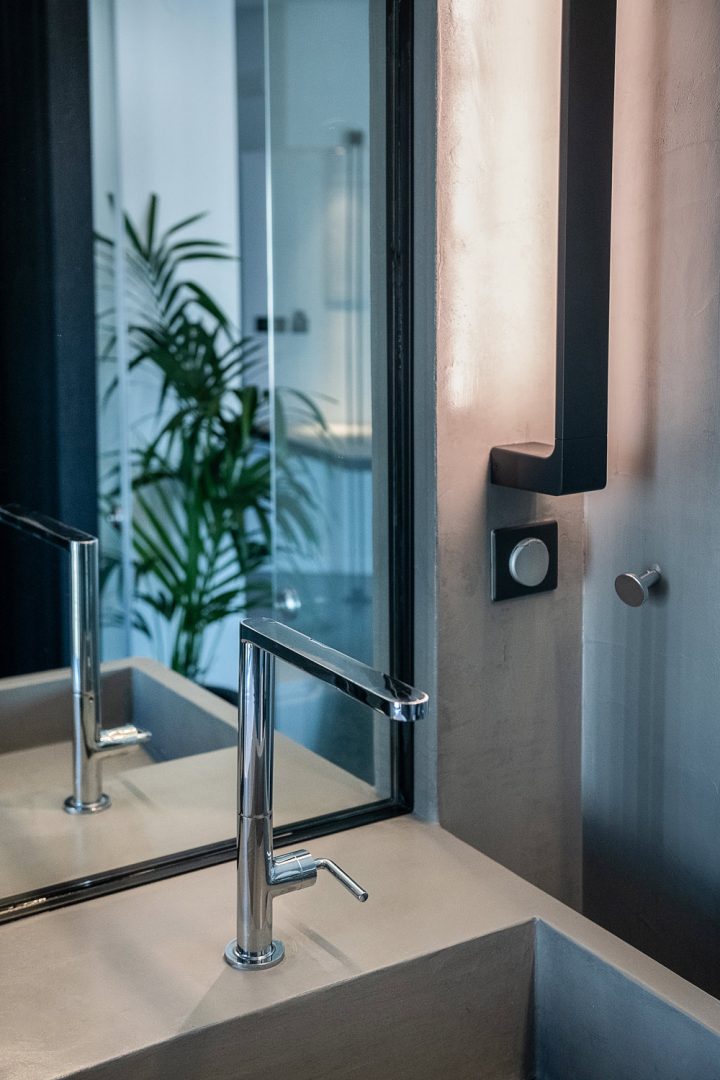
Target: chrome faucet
261,875
90,742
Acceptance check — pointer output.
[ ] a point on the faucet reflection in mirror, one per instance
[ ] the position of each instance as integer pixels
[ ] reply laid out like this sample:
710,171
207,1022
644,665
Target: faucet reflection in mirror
90,742
261,875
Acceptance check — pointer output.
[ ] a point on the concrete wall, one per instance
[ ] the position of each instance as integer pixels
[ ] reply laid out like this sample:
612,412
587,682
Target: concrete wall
652,676
509,674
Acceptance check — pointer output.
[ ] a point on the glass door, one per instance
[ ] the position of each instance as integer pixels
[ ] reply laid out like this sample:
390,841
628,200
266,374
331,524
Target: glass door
330,561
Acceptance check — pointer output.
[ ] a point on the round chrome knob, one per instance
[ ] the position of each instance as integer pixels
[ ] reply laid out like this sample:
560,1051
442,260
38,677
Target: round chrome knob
633,589
529,562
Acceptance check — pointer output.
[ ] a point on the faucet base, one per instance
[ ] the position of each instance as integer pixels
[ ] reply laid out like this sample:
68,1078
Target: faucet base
242,961
72,806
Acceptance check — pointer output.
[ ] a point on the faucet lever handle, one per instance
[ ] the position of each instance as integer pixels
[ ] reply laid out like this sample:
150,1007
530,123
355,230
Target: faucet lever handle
339,874
122,738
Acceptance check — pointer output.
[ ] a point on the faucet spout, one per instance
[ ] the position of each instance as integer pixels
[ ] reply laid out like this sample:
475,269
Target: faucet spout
384,694
90,741
260,874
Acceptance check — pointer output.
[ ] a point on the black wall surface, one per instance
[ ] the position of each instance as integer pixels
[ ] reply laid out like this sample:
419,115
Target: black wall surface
47,347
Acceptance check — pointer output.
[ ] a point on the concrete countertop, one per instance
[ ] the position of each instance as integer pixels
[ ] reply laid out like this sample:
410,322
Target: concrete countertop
159,807
112,976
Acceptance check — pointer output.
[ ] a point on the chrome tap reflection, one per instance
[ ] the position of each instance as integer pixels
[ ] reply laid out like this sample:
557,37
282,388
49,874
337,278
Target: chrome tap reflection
261,875
90,742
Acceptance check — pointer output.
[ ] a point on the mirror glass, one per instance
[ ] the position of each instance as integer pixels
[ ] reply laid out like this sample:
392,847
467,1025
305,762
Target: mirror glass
230,439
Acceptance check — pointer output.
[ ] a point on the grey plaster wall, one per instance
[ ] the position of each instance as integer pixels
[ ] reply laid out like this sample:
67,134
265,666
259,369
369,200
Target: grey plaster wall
425,73
509,674
651,771
594,1022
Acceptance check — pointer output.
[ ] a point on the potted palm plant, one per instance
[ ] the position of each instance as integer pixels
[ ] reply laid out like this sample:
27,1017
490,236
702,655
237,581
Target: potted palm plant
202,471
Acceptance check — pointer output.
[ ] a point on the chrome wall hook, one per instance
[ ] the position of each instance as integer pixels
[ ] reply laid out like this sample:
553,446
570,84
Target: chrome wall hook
633,589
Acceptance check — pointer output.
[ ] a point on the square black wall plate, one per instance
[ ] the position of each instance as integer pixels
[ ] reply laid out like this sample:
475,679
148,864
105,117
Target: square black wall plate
503,543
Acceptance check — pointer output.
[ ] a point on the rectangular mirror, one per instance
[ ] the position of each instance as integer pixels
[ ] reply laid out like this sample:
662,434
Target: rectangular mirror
195,370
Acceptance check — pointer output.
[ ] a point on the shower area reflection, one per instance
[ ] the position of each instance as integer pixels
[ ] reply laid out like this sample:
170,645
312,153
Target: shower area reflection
320,338
257,117
320,206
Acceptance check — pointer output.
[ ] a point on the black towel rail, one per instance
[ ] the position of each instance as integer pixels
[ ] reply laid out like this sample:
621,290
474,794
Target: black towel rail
578,459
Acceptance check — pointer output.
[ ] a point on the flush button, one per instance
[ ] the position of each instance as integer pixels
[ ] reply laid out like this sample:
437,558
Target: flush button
524,559
529,562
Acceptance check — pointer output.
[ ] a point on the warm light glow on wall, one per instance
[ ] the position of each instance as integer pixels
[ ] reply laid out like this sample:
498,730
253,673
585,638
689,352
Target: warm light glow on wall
497,182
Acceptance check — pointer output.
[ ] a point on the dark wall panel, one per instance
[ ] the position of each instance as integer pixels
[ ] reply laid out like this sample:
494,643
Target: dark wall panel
47,361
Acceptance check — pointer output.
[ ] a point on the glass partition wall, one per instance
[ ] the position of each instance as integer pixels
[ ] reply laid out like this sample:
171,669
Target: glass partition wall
250,451
327,578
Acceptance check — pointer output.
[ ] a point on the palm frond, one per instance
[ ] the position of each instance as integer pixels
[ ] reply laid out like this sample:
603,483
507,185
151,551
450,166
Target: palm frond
203,517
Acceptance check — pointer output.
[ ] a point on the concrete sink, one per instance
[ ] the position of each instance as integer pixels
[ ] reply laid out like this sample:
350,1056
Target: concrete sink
526,1003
